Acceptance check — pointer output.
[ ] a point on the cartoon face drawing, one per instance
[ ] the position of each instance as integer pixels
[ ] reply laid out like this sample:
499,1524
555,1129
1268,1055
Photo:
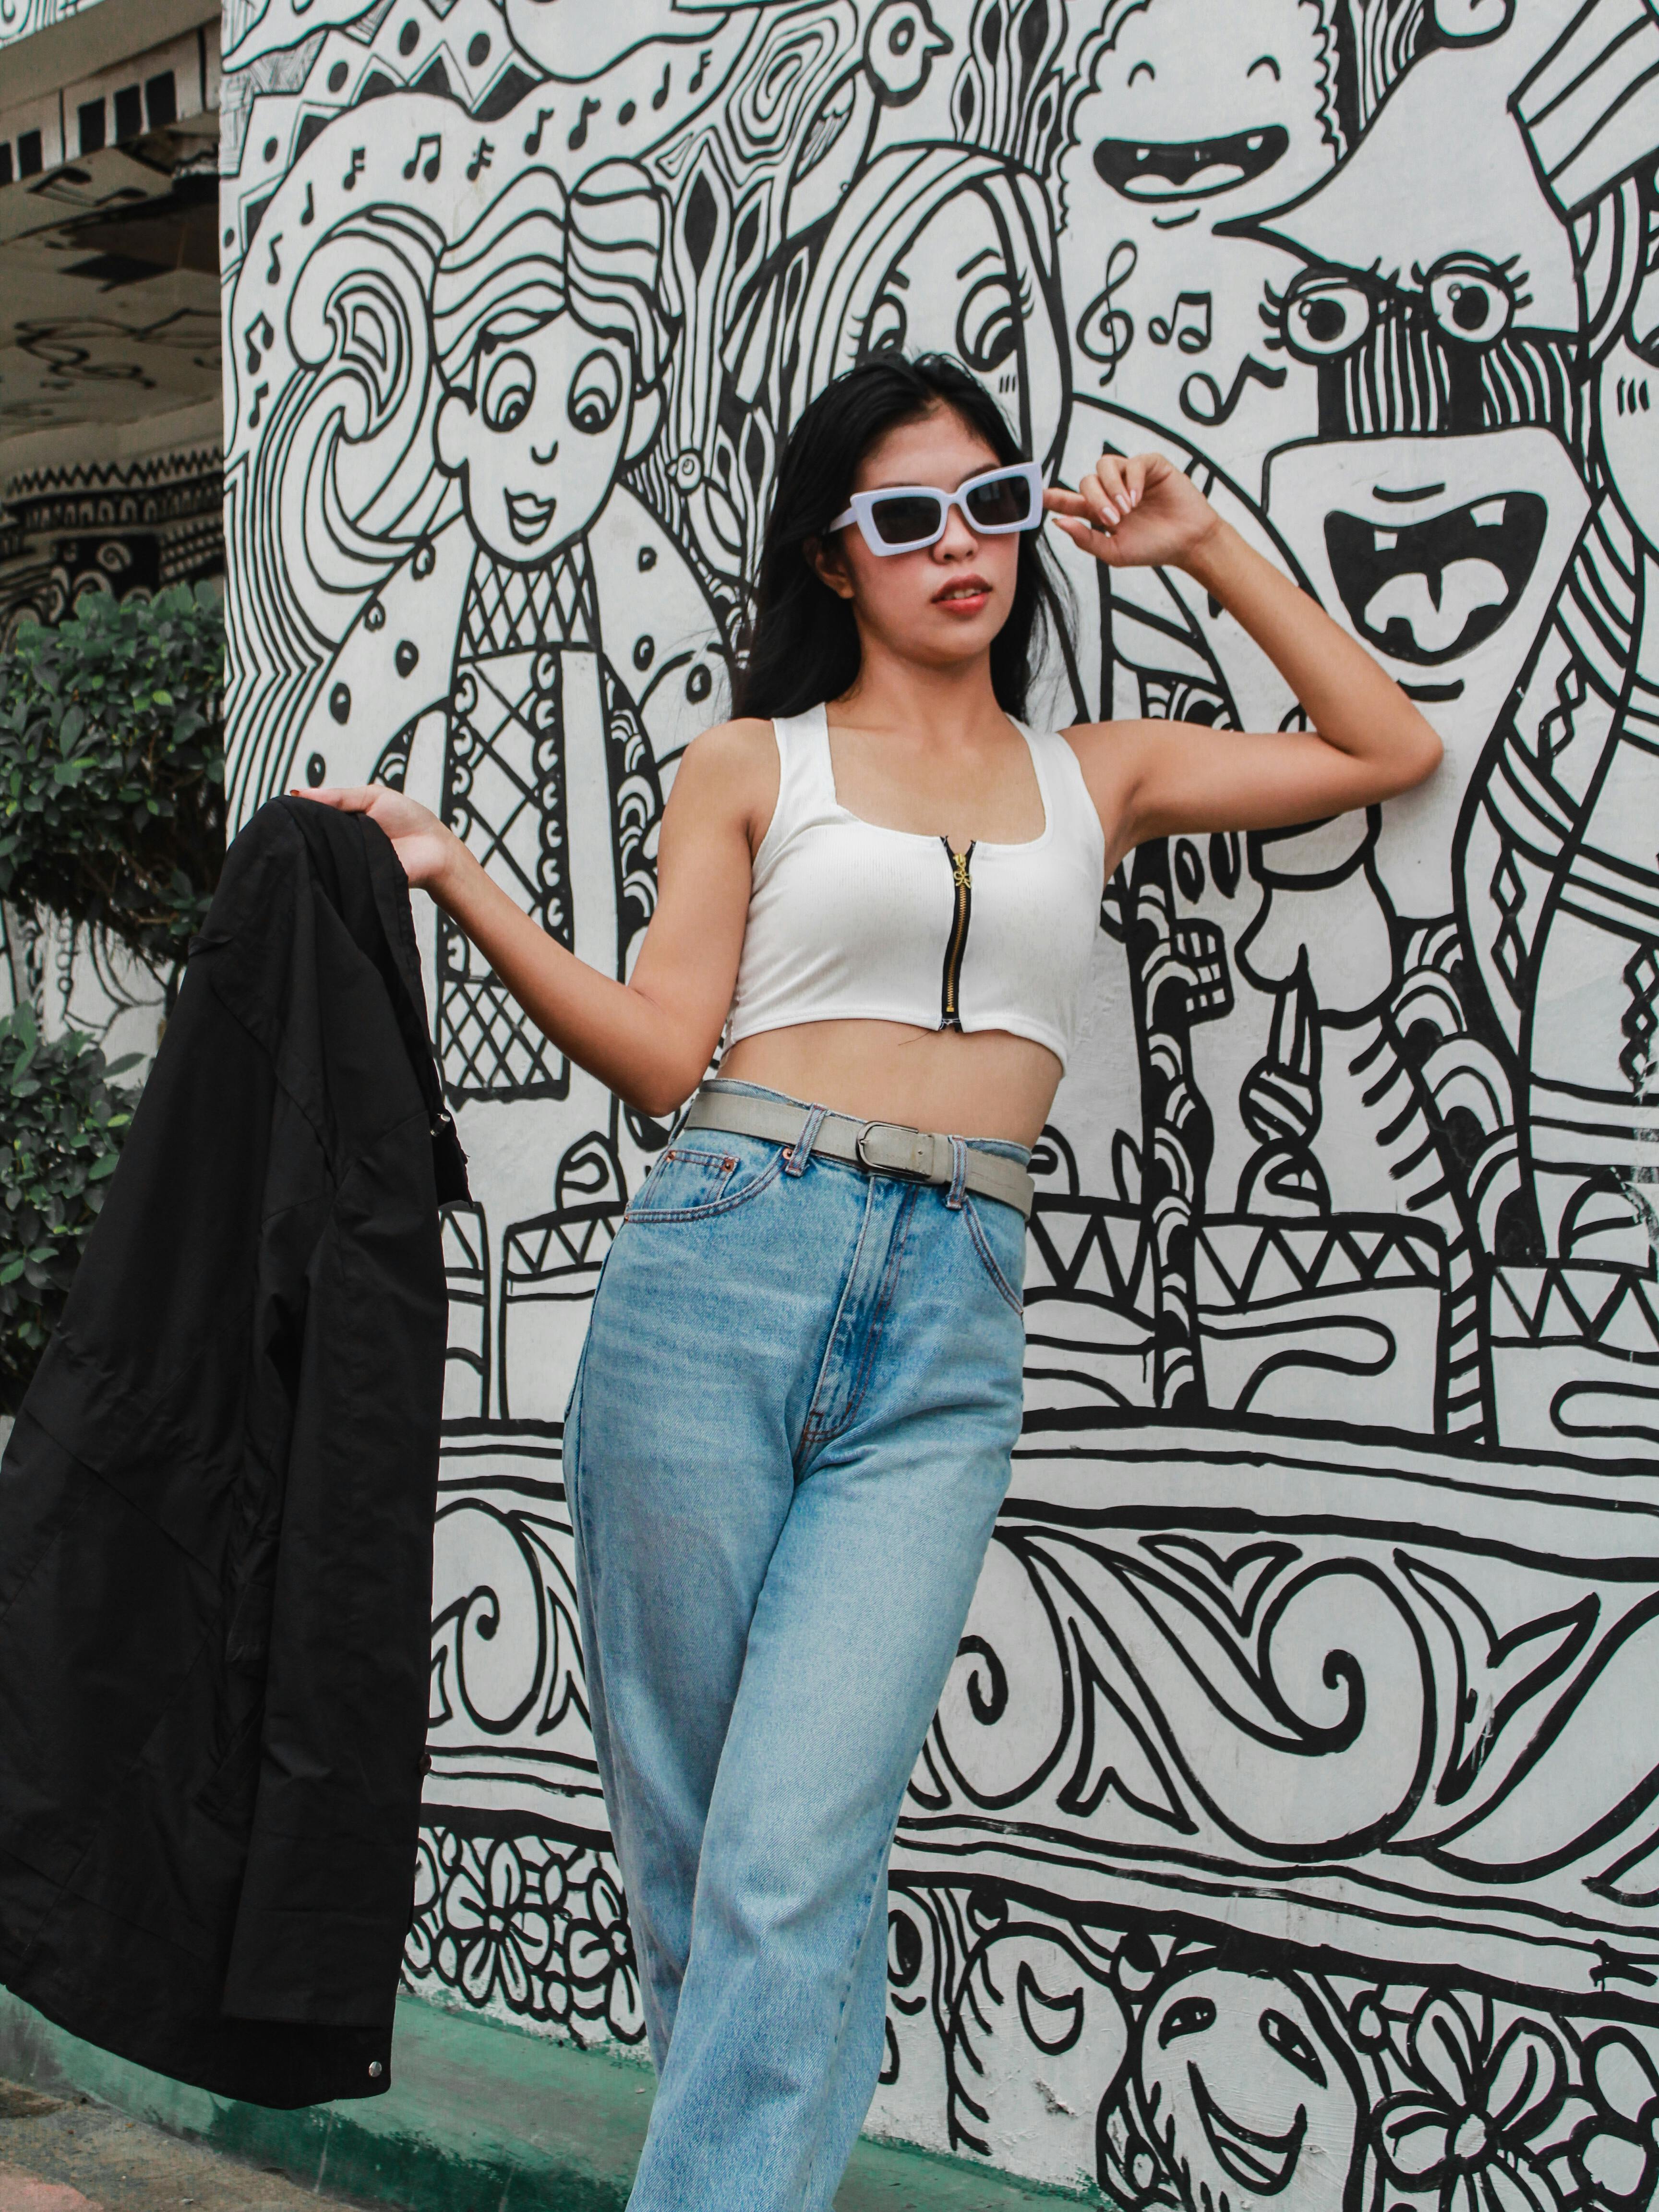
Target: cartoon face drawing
1198,115
1195,102
937,248
537,441
1436,511
1245,2089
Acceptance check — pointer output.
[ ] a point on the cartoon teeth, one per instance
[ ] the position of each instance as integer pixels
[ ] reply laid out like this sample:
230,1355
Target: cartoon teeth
1425,591
1434,608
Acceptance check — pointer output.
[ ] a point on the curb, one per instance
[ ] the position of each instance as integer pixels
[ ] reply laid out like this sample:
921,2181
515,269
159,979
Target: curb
481,2118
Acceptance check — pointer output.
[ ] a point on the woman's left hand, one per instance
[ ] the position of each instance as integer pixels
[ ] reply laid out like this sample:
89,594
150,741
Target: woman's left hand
1135,512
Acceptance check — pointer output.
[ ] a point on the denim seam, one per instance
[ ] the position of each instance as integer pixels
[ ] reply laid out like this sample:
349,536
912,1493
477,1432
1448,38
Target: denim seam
812,1432
879,1311
882,1309
1004,1289
643,1216
883,1852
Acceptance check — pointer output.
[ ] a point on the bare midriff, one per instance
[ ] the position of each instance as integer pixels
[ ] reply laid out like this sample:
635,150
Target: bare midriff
987,1084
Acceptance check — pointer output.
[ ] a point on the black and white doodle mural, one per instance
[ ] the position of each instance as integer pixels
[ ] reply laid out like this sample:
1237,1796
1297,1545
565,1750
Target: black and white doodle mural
1289,1829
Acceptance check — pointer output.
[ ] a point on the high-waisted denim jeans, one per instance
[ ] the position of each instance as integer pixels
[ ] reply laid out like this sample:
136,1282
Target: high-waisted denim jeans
784,1450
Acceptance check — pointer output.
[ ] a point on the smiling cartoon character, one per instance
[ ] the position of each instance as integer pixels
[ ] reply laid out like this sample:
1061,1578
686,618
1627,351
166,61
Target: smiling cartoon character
1438,506
1198,114
513,673
1249,2092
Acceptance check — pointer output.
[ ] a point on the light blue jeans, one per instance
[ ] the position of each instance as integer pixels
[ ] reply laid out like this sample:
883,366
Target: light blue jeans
784,1450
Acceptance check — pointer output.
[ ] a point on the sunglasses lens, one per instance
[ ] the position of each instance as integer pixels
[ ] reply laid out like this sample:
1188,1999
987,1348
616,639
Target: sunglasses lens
908,519
1001,502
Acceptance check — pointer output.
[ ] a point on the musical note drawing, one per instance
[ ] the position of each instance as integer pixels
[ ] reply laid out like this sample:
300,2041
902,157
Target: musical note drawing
1201,395
578,137
259,333
259,398
627,111
660,96
1188,323
347,183
702,70
532,140
434,160
481,160
309,216
1105,332
274,268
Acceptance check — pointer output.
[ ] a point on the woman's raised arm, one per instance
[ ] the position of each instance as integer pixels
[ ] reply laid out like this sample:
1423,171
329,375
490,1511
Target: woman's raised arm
650,1039
1151,779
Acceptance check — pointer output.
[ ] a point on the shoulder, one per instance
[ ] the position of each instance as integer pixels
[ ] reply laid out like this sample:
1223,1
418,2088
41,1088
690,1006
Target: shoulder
731,753
730,770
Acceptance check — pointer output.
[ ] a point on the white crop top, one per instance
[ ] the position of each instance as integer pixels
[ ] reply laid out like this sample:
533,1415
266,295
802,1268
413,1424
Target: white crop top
850,921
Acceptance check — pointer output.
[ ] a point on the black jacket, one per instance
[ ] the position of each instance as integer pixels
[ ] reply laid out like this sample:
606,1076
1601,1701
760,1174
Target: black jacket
215,1510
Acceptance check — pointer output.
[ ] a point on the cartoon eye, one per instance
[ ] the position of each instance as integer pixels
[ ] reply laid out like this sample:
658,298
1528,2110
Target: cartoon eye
596,392
886,330
1324,316
1469,298
508,390
1187,2016
987,329
1288,2040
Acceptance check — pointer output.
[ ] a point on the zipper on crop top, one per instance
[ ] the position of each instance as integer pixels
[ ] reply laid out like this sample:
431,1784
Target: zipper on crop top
957,944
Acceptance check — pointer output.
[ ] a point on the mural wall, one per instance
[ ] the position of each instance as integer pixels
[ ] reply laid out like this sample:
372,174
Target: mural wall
1290,1830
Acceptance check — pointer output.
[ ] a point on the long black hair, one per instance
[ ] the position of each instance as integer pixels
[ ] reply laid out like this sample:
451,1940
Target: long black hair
802,643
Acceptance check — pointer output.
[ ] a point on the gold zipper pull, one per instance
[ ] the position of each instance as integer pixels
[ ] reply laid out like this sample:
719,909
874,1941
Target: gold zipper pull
965,882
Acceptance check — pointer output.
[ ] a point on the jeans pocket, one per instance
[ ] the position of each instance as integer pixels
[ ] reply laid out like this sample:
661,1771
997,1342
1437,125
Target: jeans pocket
689,1182
999,1235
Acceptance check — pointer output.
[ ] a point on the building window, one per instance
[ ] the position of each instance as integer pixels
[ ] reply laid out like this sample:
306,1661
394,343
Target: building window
92,126
129,112
161,101
30,162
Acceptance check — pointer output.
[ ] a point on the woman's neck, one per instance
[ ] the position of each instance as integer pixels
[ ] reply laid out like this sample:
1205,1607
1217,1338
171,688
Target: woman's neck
892,693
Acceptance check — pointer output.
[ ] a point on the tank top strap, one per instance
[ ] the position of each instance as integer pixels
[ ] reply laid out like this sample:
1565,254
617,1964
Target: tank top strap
806,783
803,756
1078,814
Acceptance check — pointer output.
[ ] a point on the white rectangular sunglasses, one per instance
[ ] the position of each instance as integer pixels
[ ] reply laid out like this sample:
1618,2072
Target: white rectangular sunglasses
906,517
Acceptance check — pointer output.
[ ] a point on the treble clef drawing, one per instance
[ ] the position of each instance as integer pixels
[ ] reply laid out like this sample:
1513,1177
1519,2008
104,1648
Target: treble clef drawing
1106,332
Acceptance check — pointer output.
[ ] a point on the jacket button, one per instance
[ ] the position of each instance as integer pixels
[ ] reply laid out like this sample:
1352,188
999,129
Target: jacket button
375,2069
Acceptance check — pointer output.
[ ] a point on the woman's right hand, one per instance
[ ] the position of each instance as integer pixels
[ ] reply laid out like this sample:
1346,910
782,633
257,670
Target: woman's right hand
425,848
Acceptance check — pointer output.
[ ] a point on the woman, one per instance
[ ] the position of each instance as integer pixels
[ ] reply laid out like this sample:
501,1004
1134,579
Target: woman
791,1429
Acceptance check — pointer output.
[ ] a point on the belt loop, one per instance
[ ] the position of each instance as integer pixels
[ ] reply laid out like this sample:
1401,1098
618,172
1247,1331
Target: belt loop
959,1174
801,1150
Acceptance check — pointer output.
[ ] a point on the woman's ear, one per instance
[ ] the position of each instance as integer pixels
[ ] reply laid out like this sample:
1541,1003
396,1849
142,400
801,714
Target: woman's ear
827,565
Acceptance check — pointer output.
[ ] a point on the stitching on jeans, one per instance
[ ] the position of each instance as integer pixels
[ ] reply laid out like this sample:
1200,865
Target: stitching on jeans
647,1214
976,1231
882,1309
812,1433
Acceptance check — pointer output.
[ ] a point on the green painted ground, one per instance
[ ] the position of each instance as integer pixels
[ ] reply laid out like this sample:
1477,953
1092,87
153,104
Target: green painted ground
479,2118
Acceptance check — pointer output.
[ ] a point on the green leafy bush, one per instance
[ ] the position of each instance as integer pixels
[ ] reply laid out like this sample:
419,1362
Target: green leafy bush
61,1122
113,766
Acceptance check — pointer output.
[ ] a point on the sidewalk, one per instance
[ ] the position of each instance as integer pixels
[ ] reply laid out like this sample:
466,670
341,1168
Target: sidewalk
70,2154
479,2118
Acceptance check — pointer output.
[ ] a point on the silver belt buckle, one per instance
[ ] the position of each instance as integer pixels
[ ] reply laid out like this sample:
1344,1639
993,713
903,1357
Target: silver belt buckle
910,1161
